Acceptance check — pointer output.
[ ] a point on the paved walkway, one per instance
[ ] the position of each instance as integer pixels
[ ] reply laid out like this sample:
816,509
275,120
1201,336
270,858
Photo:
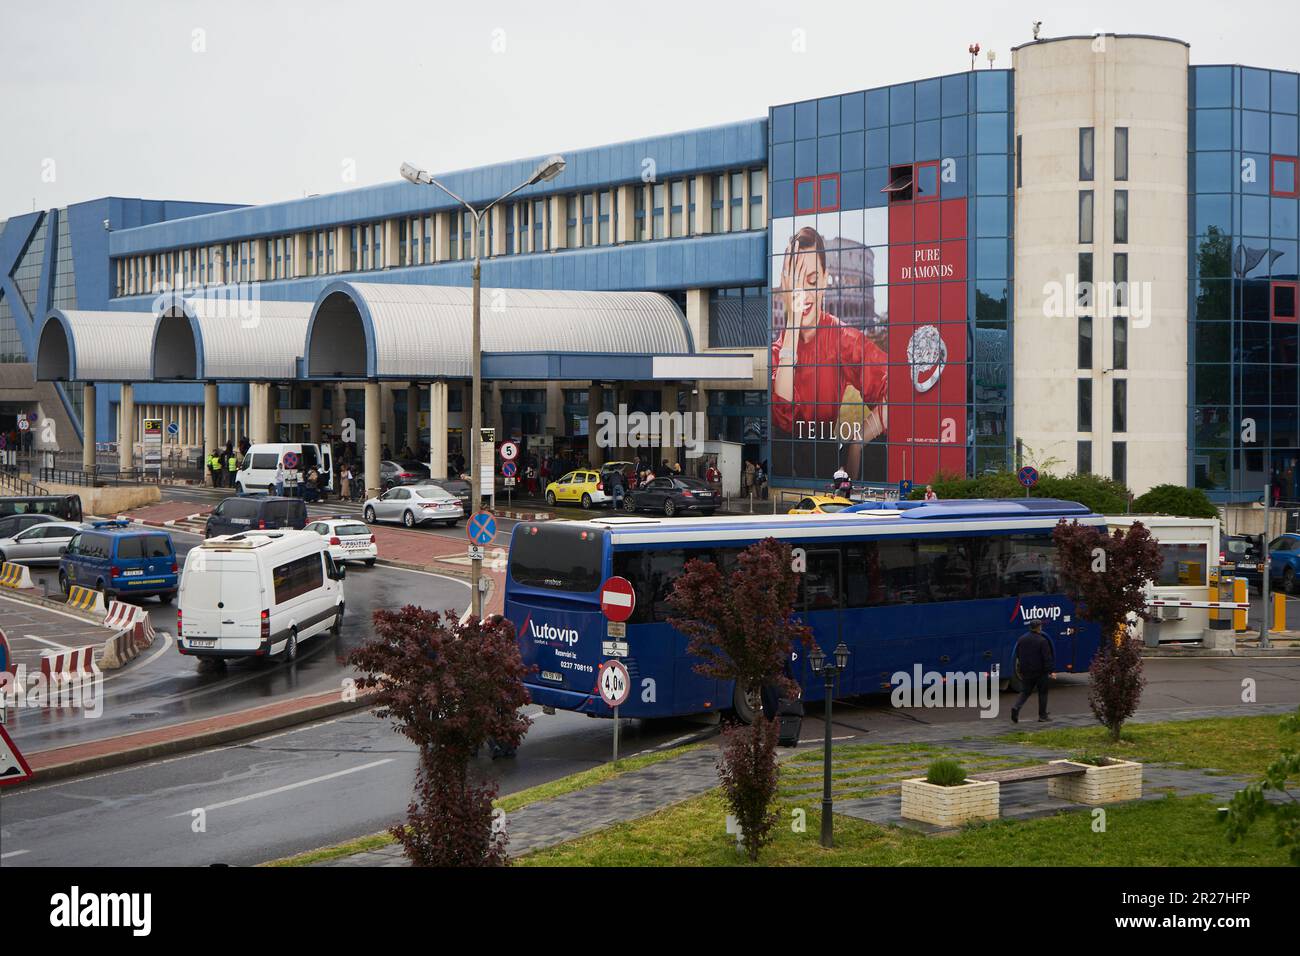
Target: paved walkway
639,793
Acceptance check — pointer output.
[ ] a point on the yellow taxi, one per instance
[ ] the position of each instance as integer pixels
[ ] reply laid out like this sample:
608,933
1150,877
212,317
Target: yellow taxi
583,486
820,505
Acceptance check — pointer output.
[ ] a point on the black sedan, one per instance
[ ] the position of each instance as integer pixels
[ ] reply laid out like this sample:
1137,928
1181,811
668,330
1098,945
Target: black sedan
673,496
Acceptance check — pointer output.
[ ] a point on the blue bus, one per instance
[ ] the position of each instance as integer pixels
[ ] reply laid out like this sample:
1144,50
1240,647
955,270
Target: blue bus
948,585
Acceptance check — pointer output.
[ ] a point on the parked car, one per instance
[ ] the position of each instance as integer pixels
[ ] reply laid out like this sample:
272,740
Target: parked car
39,543
394,473
582,486
1284,563
256,513
258,594
413,505
121,560
458,487
1244,554
673,496
10,525
349,539
821,505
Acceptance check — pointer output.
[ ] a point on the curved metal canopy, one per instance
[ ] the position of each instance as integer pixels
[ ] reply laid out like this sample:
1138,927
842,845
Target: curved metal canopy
218,339
95,347
383,330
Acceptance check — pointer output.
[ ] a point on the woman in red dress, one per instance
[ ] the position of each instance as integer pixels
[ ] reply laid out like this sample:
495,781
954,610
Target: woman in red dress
818,357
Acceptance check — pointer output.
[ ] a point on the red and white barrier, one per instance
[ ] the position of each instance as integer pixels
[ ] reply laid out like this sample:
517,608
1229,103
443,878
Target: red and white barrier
1220,605
65,666
122,614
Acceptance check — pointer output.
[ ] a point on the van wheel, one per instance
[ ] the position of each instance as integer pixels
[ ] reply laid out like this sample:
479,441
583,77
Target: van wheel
747,704
586,501
337,627
167,598
63,583
408,519
369,515
370,562
239,489
291,646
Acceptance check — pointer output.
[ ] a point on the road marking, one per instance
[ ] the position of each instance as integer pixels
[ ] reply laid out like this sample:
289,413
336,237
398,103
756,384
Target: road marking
287,787
49,610
13,853
53,644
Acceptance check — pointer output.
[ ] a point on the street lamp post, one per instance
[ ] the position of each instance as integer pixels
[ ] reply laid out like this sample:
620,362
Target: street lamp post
546,171
817,660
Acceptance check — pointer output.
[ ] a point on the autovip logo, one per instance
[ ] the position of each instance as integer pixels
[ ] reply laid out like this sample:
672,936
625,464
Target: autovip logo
550,633
75,909
1026,614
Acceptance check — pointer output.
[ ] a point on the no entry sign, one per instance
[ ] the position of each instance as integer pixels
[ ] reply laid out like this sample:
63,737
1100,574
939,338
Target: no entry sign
617,599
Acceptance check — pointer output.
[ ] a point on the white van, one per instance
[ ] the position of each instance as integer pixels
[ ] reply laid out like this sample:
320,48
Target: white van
257,594
257,471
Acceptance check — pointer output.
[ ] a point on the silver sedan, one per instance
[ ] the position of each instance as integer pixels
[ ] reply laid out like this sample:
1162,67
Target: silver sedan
39,544
413,505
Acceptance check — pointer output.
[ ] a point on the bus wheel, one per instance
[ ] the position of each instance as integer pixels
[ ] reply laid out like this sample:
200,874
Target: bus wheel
747,704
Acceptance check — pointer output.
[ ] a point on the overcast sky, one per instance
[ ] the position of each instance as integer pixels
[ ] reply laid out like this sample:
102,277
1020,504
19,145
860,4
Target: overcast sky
259,100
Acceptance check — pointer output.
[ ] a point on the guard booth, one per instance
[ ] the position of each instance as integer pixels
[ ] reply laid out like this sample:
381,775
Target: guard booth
1190,550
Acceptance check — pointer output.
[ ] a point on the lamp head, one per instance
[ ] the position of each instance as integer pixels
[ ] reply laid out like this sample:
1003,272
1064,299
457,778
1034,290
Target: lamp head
413,174
547,170
842,655
816,659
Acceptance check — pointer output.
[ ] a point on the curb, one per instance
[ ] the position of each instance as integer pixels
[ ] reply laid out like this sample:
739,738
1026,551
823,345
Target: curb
185,744
1175,652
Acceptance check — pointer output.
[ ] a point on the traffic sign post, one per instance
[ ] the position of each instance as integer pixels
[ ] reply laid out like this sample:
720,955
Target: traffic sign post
1027,476
509,451
13,768
615,684
481,528
23,424
617,599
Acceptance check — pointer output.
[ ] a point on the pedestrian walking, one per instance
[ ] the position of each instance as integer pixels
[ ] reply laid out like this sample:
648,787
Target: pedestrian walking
615,481
1034,662
345,482
279,479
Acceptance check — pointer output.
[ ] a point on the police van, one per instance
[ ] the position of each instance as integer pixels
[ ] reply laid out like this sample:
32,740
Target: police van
258,594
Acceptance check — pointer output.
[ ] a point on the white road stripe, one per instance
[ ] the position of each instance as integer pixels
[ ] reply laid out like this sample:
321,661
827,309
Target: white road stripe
53,644
48,610
13,853
288,787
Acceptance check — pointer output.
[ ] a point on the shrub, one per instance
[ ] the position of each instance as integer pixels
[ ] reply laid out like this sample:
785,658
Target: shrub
448,687
1091,759
748,773
1175,500
1252,804
945,772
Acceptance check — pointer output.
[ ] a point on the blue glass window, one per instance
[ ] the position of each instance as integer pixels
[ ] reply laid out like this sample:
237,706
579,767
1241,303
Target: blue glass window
782,198
1213,86
1284,218
1284,92
902,104
954,94
1213,173
853,190
991,175
991,91
828,116
1284,134
805,158
877,179
828,192
783,161
1213,212
990,258
878,147
991,216
853,151
828,154
927,100
953,136
805,195
900,144
1214,129
1283,175
1254,89
1284,266
852,112
1254,215
805,120
1258,165
782,124
991,133
1255,133
877,108
927,140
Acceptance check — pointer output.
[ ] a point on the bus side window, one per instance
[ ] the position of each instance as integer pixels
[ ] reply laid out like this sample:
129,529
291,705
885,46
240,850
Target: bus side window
820,584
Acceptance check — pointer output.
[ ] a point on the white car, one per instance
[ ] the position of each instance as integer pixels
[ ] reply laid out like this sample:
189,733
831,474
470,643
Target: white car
349,539
413,505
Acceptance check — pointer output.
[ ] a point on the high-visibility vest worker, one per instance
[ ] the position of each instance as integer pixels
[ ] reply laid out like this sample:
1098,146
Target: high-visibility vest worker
214,462
232,463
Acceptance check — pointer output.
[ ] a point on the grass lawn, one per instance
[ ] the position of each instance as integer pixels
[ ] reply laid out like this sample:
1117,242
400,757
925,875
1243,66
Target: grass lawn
509,804
1175,831
1238,745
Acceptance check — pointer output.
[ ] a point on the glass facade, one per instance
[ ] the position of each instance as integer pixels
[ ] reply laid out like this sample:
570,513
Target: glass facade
890,244
738,318
1243,358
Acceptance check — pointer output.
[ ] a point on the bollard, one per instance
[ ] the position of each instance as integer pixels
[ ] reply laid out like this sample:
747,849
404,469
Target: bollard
1279,612
1240,595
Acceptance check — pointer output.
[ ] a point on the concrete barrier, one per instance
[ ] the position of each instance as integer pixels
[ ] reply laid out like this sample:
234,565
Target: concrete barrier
122,615
86,599
127,644
60,667
15,575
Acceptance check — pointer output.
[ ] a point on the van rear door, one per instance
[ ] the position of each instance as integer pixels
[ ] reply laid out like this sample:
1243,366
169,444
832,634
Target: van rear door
221,597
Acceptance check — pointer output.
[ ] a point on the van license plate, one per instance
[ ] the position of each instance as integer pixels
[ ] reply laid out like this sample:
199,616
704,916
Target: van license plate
132,573
193,643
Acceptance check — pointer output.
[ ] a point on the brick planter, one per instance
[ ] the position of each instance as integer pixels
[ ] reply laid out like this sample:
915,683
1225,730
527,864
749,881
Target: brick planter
950,806
1115,782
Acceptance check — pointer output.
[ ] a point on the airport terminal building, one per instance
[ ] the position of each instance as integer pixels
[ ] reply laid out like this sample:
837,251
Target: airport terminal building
1094,252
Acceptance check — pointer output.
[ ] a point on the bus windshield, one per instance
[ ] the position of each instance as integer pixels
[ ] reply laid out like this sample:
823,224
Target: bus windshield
556,557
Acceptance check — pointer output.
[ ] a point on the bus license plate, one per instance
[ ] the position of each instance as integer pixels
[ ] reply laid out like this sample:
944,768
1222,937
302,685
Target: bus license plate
551,675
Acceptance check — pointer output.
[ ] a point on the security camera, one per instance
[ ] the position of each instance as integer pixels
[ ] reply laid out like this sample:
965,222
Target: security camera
107,225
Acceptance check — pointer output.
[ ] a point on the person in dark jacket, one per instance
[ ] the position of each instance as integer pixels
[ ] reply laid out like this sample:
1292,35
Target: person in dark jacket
1034,666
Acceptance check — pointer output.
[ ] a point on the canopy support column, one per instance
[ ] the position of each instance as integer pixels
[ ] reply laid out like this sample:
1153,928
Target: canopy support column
317,413
595,405
438,430
211,411
259,405
88,428
413,416
126,428
371,455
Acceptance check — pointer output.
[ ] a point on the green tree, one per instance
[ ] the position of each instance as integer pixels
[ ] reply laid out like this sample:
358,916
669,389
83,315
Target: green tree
1175,500
1252,804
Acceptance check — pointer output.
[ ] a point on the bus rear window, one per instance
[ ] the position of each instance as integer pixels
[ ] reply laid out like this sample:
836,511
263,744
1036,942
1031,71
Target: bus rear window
556,557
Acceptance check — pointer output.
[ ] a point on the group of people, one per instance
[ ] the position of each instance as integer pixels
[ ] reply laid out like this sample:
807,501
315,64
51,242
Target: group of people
222,464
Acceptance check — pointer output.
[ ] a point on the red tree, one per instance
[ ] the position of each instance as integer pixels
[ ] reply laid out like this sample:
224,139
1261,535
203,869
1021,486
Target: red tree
449,687
1106,576
741,625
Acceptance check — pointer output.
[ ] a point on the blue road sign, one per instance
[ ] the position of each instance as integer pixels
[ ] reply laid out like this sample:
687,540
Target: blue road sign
904,488
1028,476
509,469
173,428
481,527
